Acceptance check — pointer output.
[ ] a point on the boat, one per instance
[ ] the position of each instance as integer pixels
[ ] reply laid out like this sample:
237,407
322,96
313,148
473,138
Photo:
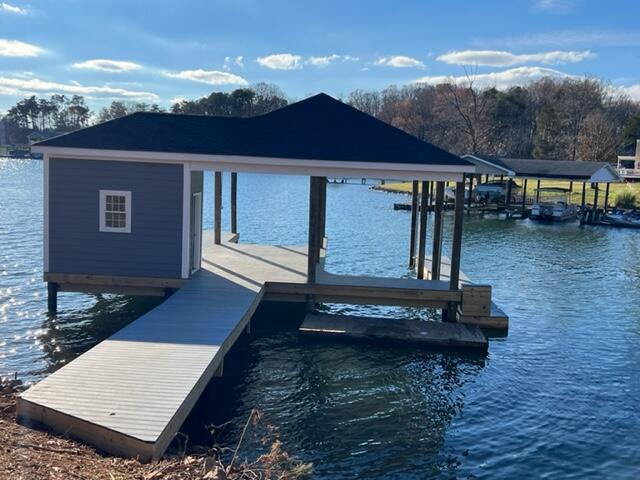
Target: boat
553,205
495,191
622,218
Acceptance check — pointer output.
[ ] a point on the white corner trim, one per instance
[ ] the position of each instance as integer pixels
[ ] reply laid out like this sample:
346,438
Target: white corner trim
186,219
103,210
45,211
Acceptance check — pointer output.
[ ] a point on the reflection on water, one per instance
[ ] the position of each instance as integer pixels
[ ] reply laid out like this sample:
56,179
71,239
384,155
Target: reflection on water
557,398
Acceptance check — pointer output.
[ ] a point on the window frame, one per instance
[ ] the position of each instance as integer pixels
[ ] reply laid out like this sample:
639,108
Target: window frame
103,211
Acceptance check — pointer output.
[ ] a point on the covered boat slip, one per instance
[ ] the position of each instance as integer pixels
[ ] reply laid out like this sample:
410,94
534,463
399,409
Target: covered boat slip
130,394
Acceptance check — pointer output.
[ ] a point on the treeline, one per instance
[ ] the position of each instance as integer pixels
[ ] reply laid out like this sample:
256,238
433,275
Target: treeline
571,119
568,119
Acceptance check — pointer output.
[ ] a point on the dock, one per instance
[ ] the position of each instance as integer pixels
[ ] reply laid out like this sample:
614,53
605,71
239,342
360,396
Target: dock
130,394
442,334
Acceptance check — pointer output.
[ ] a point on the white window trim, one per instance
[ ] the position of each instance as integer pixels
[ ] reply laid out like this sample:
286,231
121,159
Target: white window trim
103,209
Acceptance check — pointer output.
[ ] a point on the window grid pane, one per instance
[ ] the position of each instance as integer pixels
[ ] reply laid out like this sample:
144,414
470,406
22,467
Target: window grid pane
115,211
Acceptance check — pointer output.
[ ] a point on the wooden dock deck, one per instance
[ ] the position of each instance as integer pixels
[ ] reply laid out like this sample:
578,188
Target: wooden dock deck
130,394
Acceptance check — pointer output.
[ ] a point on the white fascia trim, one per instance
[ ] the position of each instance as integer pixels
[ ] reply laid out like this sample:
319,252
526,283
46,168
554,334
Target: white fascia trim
186,219
271,165
508,172
45,211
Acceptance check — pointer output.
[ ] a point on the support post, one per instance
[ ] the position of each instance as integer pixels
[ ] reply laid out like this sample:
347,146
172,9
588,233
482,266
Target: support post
436,259
538,192
470,194
322,212
414,219
606,198
422,247
595,198
234,199
584,194
456,242
217,209
524,197
52,297
571,186
314,210
507,200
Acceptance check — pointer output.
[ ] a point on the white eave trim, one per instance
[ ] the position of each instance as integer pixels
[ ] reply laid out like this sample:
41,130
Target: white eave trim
506,171
236,163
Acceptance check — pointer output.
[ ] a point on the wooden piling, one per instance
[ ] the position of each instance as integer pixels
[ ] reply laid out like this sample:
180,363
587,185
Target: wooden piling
52,297
538,192
217,209
456,245
606,198
595,198
422,247
234,200
469,199
507,200
584,194
437,232
524,197
414,219
314,210
322,212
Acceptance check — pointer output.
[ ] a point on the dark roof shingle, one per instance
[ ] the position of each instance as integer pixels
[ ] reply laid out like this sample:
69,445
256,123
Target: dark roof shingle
319,128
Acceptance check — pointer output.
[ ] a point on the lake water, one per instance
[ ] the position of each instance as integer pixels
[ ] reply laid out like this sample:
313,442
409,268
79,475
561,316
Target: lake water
559,397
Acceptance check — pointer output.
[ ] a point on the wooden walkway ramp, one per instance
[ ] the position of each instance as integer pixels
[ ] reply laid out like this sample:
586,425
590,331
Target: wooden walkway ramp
130,394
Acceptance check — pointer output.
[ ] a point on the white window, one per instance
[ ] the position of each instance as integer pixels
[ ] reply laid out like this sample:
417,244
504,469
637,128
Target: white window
115,211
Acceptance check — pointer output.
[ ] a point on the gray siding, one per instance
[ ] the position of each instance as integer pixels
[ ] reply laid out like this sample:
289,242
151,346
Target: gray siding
154,246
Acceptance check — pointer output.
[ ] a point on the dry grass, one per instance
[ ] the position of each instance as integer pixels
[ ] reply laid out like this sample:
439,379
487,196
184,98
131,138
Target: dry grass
27,454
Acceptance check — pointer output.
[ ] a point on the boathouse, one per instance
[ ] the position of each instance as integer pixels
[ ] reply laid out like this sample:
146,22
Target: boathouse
573,171
123,213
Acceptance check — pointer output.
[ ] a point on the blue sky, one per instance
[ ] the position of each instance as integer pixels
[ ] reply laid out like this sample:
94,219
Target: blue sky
159,51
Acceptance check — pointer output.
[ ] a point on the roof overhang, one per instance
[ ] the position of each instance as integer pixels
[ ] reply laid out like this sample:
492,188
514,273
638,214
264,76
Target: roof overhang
272,165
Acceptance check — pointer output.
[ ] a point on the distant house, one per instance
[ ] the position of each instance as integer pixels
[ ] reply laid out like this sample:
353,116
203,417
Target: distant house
629,162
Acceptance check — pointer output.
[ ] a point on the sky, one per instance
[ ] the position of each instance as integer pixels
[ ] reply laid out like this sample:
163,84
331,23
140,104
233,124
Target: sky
162,51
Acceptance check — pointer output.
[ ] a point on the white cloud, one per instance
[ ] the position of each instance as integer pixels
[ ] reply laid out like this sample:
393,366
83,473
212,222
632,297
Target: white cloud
559,7
329,59
233,61
210,77
496,58
399,61
7,8
281,61
500,80
566,38
25,86
15,48
114,66
632,91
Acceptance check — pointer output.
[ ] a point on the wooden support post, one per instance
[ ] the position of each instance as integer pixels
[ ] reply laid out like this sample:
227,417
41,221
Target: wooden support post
414,219
584,194
430,190
234,200
322,212
507,200
217,209
595,198
524,197
606,198
469,199
52,297
436,259
314,210
456,241
422,244
571,186
538,192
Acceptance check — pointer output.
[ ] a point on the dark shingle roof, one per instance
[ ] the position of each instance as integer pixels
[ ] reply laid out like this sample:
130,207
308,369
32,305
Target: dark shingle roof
319,128
560,169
